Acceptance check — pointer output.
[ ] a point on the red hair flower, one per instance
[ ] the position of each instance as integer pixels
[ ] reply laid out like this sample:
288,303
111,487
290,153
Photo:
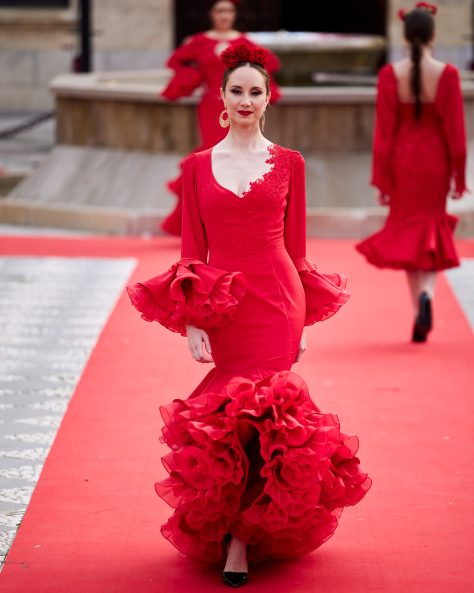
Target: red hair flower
431,8
232,56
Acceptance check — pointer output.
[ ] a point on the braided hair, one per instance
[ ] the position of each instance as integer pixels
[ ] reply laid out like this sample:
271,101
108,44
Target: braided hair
419,31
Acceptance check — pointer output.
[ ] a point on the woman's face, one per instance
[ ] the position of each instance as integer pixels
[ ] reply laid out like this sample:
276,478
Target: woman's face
245,96
223,15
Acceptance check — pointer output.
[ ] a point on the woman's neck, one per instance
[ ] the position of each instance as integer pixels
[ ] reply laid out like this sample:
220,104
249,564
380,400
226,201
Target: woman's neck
244,139
223,34
426,52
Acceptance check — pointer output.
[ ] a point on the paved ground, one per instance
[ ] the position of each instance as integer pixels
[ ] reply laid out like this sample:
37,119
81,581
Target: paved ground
23,153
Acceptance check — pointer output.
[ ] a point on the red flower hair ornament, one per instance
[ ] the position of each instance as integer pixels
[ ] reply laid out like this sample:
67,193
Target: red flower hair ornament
431,8
232,56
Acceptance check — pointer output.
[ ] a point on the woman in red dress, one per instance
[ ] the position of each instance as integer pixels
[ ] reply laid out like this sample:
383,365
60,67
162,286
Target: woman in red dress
419,159
256,470
196,63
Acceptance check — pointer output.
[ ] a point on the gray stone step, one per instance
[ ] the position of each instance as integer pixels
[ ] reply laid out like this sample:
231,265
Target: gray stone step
124,192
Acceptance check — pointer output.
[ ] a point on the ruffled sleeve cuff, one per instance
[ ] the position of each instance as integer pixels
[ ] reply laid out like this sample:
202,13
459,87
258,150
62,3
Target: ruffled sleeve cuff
183,83
325,293
189,293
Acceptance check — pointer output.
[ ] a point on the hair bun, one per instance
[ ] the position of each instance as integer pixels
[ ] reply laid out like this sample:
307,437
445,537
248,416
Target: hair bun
232,56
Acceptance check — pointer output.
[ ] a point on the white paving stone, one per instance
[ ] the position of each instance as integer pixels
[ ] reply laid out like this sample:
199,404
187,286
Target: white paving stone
33,454
53,421
6,539
29,473
16,495
52,406
37,438
12,518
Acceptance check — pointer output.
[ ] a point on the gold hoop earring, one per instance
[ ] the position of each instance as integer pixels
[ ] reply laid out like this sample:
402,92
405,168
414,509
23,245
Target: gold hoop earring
224,121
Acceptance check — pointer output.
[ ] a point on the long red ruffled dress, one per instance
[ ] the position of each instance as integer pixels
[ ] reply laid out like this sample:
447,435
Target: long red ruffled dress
415,162
251,454
196,63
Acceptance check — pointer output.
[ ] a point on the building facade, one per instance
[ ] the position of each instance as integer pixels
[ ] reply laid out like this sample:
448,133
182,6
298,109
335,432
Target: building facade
39,38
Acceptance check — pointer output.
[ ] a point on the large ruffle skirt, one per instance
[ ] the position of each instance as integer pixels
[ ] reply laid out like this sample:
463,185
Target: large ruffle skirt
254,457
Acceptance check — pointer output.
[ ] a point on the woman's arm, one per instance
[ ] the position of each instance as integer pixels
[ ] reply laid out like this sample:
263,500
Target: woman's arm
451,108
384,133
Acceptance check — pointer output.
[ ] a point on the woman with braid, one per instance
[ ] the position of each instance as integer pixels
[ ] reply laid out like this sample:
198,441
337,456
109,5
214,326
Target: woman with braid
419,159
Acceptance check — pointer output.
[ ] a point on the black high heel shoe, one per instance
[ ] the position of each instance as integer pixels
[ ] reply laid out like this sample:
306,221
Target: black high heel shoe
235,579
424,321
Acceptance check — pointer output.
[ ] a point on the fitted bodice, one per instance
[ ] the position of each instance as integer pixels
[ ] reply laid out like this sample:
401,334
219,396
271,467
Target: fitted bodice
250,225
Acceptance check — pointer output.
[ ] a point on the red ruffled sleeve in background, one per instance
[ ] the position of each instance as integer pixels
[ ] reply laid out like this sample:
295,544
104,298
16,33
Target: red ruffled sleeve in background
190,292
187,76
325,293
449,104
385,126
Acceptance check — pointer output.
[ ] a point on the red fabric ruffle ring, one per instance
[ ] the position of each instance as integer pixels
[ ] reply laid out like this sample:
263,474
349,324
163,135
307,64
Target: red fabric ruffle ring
325,293
189,293
308,470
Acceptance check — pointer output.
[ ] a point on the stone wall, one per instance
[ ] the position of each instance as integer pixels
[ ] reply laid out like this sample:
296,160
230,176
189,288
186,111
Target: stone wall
36,45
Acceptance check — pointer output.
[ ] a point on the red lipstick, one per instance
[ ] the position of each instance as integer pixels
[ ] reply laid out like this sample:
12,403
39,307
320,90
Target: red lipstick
245,113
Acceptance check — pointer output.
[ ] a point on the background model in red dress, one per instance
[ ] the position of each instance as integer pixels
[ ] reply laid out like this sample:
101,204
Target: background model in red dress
251,454
419,159
414,162
196,63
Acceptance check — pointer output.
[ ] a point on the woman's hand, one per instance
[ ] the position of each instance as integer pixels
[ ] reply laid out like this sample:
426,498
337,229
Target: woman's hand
302,346
198,344
382,198
455,195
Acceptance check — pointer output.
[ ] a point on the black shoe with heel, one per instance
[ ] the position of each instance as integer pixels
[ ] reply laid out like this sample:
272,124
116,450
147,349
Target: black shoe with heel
424,320
235,579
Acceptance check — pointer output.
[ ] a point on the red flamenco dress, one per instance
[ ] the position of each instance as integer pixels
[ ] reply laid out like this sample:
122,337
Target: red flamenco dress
196,63
415,162
251,454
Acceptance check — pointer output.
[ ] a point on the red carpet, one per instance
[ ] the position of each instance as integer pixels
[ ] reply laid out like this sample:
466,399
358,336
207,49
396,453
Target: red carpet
93,522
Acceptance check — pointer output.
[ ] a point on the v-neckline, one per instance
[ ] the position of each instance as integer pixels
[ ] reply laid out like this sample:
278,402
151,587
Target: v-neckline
270,149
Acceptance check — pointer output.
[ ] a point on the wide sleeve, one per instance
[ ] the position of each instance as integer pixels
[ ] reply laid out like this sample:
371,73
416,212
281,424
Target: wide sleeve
386,119
451,109
190,292
187,76
325,293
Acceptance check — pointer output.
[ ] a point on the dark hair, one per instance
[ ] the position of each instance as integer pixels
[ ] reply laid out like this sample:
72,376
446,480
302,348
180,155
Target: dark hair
419,30
212,3
257,67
